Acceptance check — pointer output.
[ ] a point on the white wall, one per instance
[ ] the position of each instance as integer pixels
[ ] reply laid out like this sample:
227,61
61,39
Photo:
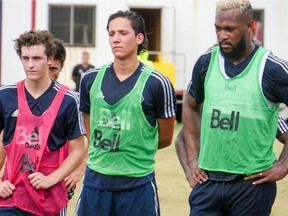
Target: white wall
283,30
187,29
14,23
195,33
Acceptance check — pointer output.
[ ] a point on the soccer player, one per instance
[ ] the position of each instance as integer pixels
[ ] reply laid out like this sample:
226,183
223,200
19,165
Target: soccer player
129,113
230,117
38,116
55,68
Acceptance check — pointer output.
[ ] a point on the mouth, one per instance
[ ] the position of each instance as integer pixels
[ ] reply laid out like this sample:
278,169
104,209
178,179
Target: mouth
225,45
117,48
31,73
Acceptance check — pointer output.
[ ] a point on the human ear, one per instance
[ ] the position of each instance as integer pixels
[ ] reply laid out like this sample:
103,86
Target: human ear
140,38
250,26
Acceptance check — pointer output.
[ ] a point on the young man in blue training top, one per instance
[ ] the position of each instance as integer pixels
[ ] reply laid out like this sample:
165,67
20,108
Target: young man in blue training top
55,68
129,113
38,116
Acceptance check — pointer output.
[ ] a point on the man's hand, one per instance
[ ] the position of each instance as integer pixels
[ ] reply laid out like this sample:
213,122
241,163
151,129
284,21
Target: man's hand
191,181
198,175
72,179
40,181
6,189
276,172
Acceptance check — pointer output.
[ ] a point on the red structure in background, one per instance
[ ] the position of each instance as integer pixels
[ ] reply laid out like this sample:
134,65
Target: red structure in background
33,20
257,33
1,41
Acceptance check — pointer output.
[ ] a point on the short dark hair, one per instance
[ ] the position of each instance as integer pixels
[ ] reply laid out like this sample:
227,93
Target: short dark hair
137,23
35,37
60,50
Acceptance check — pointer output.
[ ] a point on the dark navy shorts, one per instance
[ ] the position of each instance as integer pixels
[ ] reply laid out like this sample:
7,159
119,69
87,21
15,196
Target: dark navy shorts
140,201
13,211
236,197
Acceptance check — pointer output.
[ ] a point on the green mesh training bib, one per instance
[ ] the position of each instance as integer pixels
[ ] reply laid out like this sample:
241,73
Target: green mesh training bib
122,142
238,128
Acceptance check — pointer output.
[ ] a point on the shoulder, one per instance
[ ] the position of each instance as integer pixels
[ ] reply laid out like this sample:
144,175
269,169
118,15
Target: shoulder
71,97
87,79
158,77
77,66
8,97
158,80
158,85
275,63
8,87
159,94
204,58
8,90
91,73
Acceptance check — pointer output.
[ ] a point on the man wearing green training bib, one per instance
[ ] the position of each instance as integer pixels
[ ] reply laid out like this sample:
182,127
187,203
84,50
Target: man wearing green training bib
230,118
129,113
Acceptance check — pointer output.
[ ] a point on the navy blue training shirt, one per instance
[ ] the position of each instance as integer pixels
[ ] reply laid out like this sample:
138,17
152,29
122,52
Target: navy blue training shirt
68,125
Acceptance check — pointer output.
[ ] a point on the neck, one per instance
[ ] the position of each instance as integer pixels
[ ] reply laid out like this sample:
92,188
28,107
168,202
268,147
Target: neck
246,53
85,64
125,68
37,88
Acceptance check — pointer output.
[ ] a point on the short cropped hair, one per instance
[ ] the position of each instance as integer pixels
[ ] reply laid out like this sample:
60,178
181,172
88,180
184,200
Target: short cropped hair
36,37
60,54
242,5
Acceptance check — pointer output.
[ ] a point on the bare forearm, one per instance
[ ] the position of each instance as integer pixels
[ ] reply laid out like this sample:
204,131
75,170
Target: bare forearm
2,159
279,169
82,167
2,156
283,158
76,175
2,151
165,131
191,131
74,159
181,151
86,119
70,164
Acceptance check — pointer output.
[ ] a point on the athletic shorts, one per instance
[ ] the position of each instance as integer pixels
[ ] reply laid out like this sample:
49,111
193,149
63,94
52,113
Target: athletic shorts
13,211
236,197
140,201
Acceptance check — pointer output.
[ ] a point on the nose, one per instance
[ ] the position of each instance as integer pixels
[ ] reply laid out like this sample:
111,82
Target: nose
222,35
31,63
116,38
